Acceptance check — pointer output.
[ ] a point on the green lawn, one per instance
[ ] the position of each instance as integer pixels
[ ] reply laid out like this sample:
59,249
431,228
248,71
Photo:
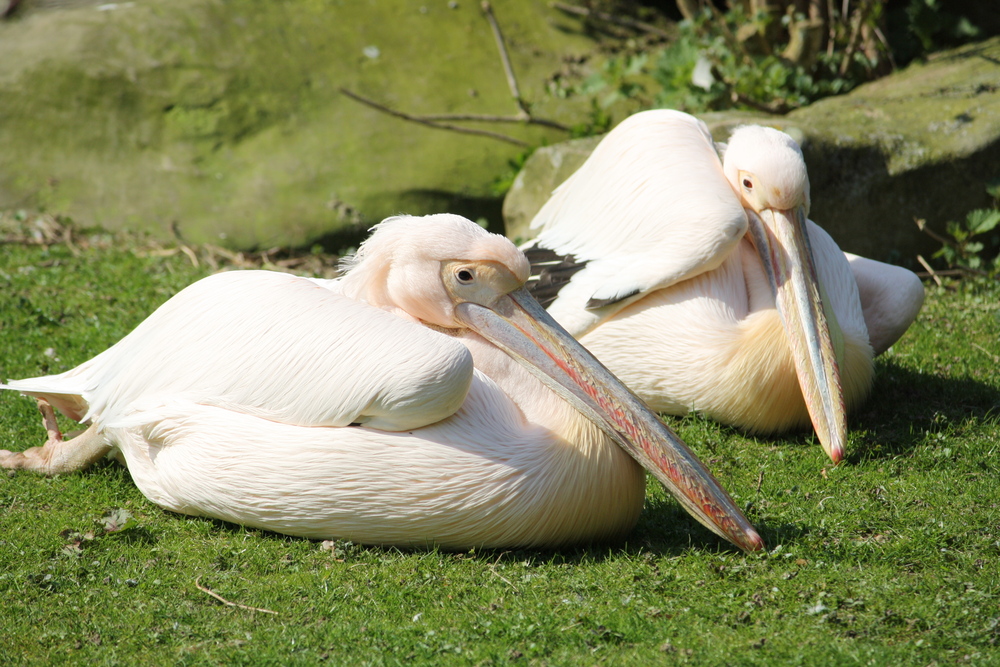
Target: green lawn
892,558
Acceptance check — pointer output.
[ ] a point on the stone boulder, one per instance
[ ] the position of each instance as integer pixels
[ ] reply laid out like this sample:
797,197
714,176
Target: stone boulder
225,120
921,143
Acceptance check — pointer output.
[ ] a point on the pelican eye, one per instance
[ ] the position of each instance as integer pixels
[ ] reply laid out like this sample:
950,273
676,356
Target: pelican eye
748,184
465,276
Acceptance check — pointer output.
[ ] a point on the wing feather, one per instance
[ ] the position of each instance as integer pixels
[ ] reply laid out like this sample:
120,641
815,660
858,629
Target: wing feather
279,347
651,204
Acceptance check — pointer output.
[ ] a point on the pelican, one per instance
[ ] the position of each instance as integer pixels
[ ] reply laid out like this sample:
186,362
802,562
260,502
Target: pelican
424,398
692,271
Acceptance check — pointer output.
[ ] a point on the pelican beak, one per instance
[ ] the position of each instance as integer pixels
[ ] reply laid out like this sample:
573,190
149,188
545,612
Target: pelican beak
782,241
520,326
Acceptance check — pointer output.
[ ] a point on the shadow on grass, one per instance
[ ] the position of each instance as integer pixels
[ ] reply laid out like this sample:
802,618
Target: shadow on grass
664,529
905,405
136,535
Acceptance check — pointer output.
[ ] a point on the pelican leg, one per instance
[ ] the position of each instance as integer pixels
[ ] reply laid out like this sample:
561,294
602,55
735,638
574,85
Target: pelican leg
57,455
49,421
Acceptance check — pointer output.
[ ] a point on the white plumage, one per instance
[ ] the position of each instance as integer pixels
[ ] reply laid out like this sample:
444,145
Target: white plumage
677,244
244,339
367,408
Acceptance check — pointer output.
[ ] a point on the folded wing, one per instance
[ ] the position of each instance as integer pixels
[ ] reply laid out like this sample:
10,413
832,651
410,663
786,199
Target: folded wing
275,346
664,213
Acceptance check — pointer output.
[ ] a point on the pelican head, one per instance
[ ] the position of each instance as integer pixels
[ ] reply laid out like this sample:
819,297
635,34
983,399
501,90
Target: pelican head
766,169
459,276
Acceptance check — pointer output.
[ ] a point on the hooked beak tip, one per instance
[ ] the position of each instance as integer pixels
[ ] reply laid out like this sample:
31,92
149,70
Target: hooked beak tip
836,454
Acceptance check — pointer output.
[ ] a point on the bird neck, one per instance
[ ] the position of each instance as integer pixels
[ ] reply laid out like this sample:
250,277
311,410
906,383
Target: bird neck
587,484
539,404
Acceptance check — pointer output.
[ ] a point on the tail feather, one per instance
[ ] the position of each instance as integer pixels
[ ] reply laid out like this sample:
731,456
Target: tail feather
62,395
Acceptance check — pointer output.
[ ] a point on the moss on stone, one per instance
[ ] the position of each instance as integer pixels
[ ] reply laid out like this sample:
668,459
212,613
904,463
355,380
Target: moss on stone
226,117
921,143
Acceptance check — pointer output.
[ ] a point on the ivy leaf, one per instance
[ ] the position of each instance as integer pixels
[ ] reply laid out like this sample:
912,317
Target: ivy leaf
948,253
956,231
117,520
74,549
982,220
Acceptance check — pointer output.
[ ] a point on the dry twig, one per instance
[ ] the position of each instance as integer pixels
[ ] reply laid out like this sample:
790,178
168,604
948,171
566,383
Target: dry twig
430,123
493,569
857,21
610,18
930,271
523,116
960,271
197,583
922,226
489,118
46,230
735,43
946,273
982,349
508,69
778,107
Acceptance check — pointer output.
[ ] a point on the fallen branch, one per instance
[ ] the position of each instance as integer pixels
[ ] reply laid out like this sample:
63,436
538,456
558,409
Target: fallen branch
923,263
922,226
487,118
946,273
67,239
735,44
610,18
957,247
885,45
15,239
430,123
779,107
442,121
197,583
508,69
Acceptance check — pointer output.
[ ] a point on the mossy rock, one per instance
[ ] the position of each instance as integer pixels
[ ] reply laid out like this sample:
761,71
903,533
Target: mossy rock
224,119
921,143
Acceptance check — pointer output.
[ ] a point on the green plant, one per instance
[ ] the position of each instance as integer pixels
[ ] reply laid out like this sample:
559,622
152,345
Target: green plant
887,559
934,27
768,55
975,241
760,60
503,181
617,79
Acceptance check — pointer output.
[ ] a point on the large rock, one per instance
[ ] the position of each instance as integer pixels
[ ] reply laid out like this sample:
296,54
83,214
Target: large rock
922,143
225,118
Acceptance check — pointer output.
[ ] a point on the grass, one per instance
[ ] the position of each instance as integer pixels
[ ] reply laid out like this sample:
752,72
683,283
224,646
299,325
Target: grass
889,559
